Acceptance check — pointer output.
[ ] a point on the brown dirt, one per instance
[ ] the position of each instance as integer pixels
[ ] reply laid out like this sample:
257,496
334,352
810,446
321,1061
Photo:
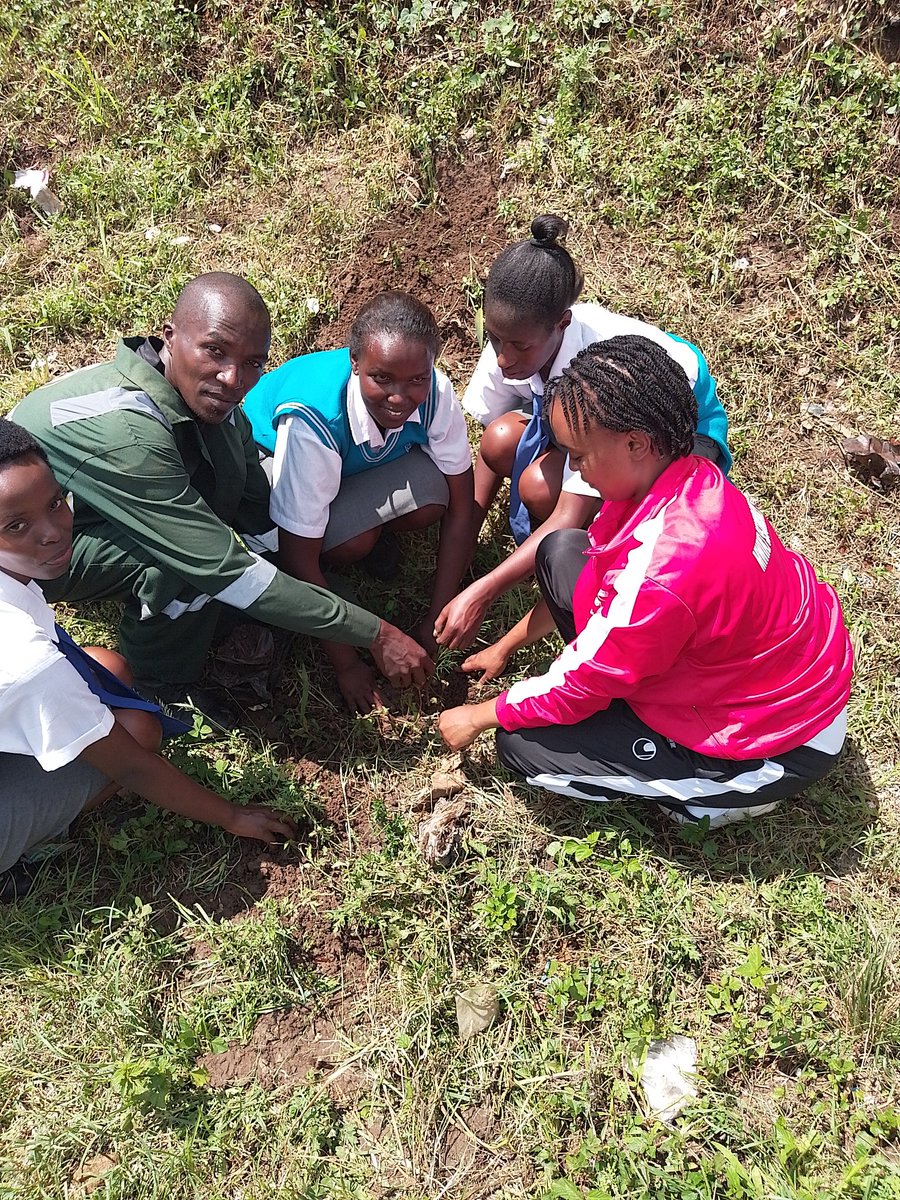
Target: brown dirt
287,1050
472,1129
430,251
771,269
88,1178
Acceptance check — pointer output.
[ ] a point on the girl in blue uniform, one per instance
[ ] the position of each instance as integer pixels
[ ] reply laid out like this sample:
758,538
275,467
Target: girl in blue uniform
367,440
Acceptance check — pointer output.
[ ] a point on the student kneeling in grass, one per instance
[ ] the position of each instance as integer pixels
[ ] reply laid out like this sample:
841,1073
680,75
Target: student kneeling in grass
71,729
707,669
367,440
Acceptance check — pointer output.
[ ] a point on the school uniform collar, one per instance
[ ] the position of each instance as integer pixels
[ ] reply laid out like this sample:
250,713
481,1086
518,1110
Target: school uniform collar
573,340
363,429
30,599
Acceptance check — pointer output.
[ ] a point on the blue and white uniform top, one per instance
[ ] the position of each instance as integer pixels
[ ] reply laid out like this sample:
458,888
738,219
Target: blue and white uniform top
311,415
489,394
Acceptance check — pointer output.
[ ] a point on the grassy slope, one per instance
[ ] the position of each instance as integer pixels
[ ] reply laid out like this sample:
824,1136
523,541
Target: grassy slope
680,139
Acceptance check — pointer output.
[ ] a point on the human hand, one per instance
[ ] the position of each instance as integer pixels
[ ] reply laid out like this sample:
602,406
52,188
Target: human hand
358,687
459,727
400,659
459,621
260,822
491,662
423,632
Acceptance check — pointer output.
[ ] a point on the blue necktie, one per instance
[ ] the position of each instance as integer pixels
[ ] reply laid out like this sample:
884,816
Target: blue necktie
110,690
534,441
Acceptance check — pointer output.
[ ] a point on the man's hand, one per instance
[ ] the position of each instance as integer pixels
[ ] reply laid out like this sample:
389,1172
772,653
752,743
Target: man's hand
399,658
258,821
459,727
459,621
491,662
358,687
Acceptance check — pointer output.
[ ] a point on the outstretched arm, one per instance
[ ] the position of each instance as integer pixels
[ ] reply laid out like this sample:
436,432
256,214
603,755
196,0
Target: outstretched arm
493,659
129,764
453,553
460,620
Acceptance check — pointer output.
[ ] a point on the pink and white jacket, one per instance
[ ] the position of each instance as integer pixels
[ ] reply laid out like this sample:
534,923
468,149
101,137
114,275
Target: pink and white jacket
691,609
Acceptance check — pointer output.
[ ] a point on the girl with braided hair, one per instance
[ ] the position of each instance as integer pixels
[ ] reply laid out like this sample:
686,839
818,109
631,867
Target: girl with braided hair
535,328
706,670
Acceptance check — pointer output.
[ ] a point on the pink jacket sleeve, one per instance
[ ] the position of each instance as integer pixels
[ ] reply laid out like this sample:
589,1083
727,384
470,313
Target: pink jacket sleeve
615,652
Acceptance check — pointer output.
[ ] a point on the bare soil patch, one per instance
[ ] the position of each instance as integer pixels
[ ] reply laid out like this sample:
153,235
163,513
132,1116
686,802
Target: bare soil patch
289,1049
431,251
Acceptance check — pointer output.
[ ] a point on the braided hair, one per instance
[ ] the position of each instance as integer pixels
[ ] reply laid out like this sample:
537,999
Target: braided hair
537,279
17,443
627,383
397,314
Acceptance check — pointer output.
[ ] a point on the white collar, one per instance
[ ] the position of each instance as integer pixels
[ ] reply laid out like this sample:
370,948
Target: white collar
572,342
30,599
363,429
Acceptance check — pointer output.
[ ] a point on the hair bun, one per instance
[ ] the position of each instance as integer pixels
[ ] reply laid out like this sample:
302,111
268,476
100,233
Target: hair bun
548,230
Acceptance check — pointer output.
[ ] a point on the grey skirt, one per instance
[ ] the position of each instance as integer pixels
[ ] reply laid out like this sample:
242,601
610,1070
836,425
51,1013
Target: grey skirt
37,805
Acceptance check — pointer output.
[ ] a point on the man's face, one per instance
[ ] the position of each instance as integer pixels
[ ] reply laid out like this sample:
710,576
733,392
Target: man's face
35,522
215,355
394,378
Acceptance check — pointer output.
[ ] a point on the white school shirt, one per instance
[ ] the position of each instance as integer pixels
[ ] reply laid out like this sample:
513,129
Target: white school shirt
47,711
490,395
306,475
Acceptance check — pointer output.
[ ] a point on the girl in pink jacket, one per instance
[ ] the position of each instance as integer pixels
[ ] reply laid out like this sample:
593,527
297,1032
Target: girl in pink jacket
707,670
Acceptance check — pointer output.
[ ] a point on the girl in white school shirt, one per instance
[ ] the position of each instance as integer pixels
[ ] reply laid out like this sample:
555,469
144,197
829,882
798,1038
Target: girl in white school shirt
72,732
534,329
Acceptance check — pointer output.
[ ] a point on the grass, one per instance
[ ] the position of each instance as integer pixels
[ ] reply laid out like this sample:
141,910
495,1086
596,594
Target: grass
730,173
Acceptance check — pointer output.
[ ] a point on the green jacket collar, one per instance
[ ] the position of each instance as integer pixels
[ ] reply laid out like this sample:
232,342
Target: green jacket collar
146,377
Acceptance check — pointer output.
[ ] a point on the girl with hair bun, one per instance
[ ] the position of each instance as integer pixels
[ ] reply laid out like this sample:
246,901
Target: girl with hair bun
707,670
534,329
367,441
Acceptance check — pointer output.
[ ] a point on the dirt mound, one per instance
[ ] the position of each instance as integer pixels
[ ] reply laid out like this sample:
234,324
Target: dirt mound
438,253
288,1049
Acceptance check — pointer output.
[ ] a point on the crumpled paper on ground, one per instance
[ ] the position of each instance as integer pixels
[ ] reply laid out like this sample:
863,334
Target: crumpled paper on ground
873,460
36,182
667,1076
439,835
477,1008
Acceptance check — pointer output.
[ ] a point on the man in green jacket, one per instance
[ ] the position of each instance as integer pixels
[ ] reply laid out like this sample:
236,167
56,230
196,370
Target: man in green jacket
170,498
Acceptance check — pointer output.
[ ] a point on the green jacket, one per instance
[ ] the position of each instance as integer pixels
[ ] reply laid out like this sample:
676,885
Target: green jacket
123,441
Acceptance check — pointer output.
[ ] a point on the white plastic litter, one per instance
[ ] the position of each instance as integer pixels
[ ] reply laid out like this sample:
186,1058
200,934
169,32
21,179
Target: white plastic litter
668,1074
36,182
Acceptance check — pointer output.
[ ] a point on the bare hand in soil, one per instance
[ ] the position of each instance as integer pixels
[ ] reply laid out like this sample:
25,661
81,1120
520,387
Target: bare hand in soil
490,661
264,824
358,687
460,620
459,727
399,658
